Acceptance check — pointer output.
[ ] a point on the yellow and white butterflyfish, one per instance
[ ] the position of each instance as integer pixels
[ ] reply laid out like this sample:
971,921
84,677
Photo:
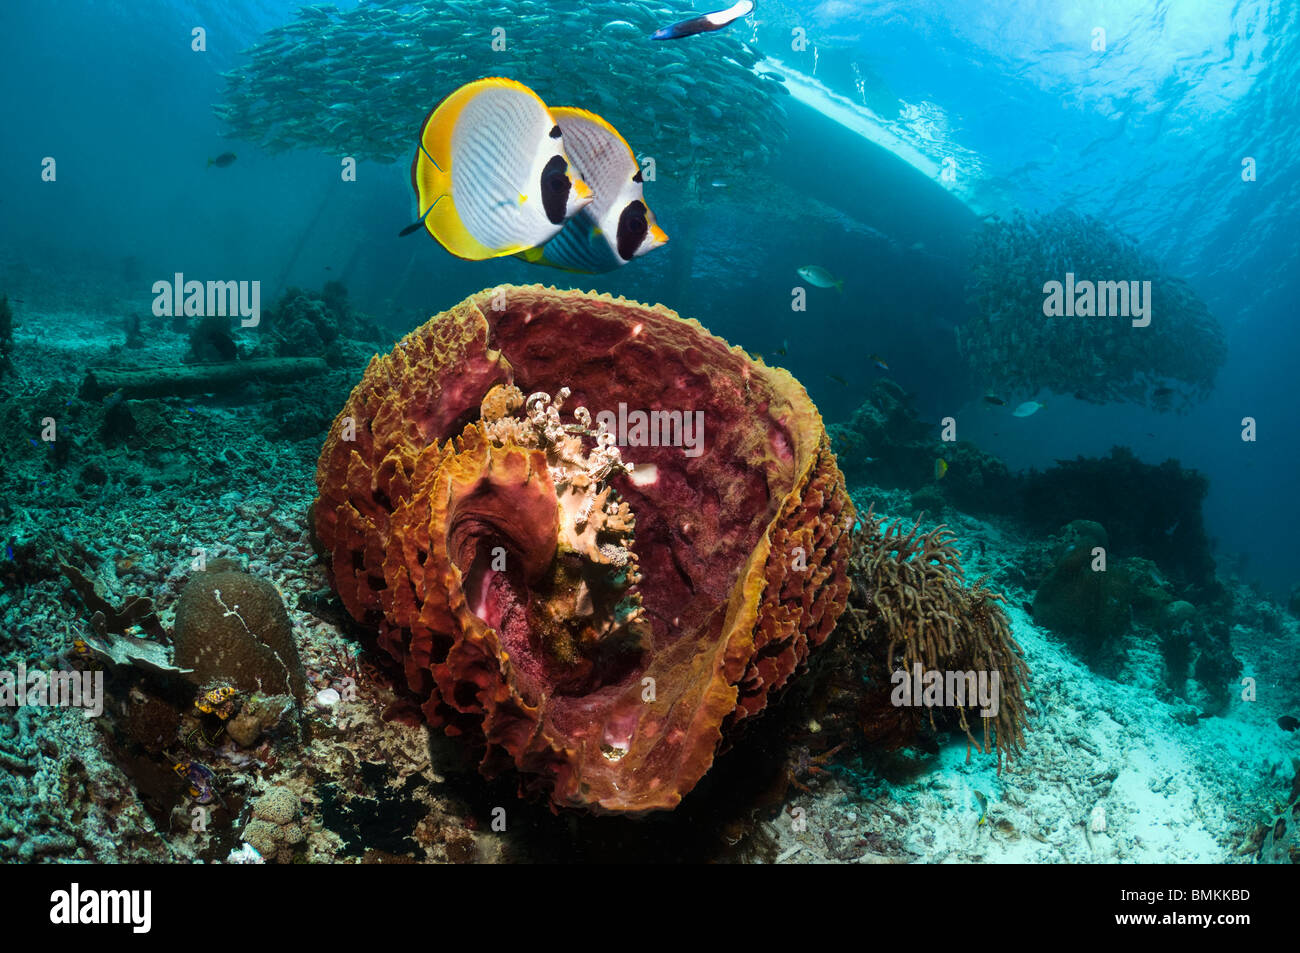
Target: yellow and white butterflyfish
491,173
618,225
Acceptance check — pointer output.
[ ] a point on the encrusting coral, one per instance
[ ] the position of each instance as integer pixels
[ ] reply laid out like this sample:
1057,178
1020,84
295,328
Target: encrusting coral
911,606
596,624
275,828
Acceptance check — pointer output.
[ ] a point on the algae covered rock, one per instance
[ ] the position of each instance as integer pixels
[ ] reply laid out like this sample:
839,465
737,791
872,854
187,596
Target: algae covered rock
259,715
1076,599
1177,614
233,627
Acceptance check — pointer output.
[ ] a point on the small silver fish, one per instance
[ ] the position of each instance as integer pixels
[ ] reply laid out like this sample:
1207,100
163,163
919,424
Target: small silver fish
818,276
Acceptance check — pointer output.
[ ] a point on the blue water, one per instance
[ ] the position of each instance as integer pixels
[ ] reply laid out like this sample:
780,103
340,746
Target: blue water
1148,136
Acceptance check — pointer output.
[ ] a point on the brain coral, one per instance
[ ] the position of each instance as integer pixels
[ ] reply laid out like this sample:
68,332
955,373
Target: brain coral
232,627
595,622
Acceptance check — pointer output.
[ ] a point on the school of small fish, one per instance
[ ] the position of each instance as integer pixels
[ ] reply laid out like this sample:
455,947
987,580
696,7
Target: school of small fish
359,82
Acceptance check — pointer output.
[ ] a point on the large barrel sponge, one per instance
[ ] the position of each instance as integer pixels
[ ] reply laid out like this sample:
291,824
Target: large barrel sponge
640,616
233,627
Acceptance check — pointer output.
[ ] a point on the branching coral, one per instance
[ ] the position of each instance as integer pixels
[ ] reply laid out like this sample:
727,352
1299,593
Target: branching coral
1017,349
910,605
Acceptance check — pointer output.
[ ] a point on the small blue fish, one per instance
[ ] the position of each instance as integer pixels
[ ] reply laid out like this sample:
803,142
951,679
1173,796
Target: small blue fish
705,23
1028,409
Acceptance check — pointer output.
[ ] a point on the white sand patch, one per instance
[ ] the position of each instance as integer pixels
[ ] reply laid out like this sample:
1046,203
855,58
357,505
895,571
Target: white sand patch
1169,791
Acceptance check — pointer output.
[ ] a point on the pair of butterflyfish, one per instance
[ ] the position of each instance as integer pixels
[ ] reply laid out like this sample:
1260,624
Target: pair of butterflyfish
498,173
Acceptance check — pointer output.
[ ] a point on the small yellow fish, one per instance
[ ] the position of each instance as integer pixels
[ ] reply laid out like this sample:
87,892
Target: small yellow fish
940,468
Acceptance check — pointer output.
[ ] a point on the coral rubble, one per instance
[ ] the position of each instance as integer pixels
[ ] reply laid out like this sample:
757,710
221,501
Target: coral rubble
596,623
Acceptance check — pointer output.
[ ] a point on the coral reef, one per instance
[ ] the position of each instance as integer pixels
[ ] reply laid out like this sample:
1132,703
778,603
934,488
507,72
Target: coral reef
1281,841
1096,606
150,721
136,611
258,715
232,627
211,341
1198,645
911,605
6,335
597,630
1151,511
887,445
1011,344
313,324
134,333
